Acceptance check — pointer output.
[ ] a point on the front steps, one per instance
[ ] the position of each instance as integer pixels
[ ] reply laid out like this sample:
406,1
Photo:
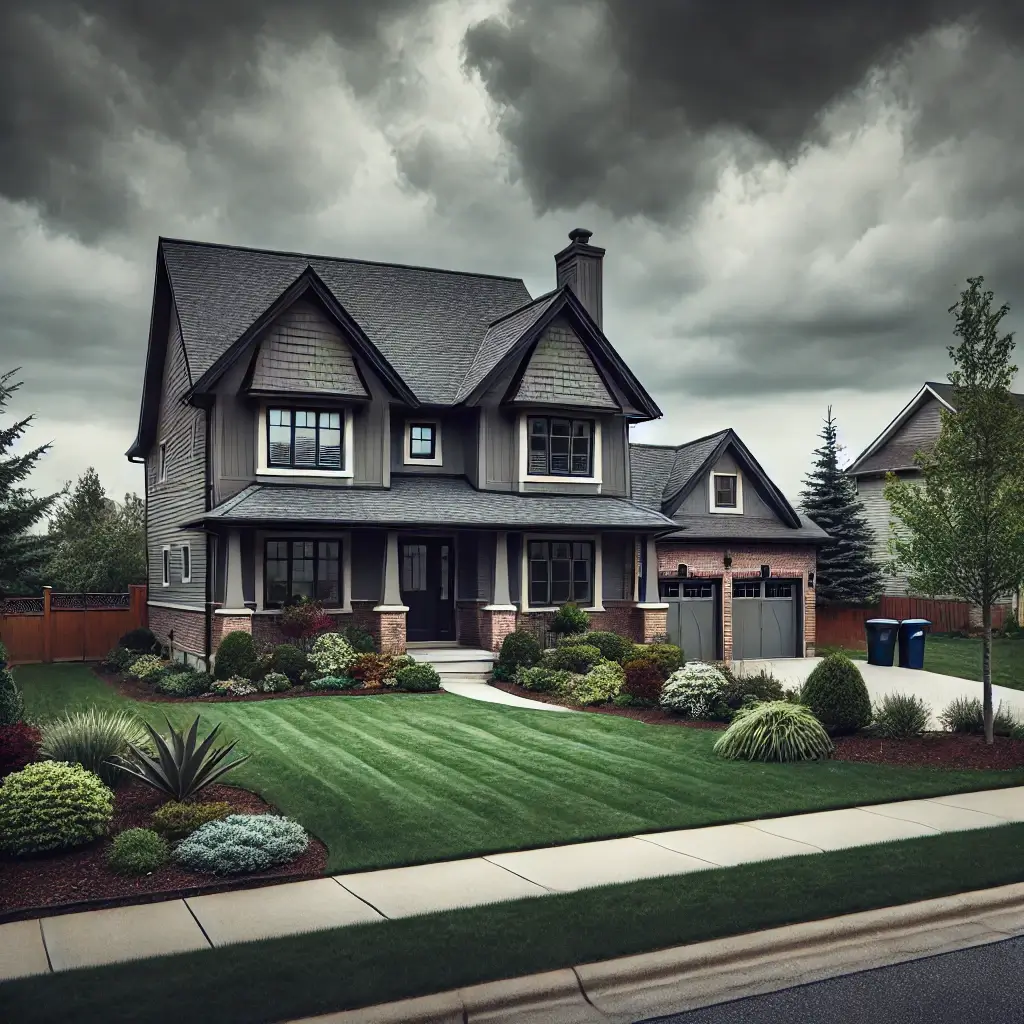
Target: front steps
455,664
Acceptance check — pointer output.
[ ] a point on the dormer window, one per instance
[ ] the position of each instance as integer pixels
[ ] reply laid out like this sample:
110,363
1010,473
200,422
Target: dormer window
560,447
726,492
304,439
423,443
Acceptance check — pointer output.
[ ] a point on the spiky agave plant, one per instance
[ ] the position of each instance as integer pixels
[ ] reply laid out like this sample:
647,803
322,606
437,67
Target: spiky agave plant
181,768
774,731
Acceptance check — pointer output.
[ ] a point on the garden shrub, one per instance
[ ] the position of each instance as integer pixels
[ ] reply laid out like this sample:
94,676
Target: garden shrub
741,690
899,716
185,684
668,657
967,714
791,694
502,674
137,851
290,661
52,806
418,678
3,654
12,701
175,819
274,682
97,740
612,646
332,655
543,680
119,659
236,656
836,693
518,649
141,640
236,686
774,731
146,667
303,620
372,669
241,844
644,681
580,658
696,690
333,683
600,685
570,618
19,745
360,640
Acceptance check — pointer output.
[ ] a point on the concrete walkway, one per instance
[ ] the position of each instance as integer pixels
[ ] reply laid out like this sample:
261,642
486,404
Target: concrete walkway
935,689
90,938
479,690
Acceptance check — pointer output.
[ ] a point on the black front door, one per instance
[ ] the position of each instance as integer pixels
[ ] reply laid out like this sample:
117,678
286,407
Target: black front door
428,588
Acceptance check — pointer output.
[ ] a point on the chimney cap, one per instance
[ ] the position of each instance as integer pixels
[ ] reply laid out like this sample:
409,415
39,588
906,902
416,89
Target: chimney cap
580,235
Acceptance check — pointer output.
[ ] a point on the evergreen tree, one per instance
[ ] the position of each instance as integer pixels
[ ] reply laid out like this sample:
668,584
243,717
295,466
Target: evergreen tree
846,571
80,509
21,553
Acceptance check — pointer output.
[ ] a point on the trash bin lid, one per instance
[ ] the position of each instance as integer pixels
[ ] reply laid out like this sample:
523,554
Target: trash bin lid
916,622
881,622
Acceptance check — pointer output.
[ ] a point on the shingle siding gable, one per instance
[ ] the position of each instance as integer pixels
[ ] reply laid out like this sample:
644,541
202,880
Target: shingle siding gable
919,433
561,372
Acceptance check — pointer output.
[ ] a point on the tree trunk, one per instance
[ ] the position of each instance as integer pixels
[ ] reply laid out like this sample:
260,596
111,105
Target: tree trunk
986,668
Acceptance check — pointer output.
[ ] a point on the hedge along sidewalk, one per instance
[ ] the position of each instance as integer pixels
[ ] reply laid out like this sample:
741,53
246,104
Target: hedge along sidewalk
369,964
93,938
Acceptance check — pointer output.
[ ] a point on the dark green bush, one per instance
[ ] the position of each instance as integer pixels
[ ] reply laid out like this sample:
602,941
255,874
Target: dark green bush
899,716
644,681
236,656
836,693
543,680
418,678
519,649
289,661
141,640
359,639
570,619
185,684
967,714
119,659
611,645
501,674
137,851
12,702
750,689
176,820
667,657
580,658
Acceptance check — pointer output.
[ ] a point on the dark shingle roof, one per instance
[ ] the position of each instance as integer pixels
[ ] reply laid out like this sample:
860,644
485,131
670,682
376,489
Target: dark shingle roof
429,324
431,501
745,528
659,472
945,392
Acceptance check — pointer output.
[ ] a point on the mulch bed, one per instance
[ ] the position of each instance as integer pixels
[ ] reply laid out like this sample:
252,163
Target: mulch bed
80,879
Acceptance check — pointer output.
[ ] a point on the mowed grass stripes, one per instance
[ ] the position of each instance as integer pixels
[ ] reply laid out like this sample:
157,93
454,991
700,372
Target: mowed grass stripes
394,780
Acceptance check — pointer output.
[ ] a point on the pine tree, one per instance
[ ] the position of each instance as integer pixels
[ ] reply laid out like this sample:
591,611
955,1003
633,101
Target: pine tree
846,571
21,552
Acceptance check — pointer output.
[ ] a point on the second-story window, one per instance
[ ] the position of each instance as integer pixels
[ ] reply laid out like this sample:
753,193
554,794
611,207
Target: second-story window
726,490
304,439
560,447
422,440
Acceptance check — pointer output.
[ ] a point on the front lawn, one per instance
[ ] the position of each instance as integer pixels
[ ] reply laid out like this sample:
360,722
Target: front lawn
961,657
388,781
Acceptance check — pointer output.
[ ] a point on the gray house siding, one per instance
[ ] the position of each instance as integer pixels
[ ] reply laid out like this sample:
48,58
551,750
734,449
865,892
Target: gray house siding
456,429
561,372
368,565
878,515
698,501
466,566
614,456
499,440
617,567
180,496
919,433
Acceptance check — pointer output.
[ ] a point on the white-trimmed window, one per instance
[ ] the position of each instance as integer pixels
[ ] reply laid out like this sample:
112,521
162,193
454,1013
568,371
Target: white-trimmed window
422,443
166,565
726,492
300,441
559,449
161,462
186,563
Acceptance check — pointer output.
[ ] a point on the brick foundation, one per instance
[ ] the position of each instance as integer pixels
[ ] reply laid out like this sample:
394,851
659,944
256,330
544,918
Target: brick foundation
495,626
266,633
653,625
189,629
392,632
622,617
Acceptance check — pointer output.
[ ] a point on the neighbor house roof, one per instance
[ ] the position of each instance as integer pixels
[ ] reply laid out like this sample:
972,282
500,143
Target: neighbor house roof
429,501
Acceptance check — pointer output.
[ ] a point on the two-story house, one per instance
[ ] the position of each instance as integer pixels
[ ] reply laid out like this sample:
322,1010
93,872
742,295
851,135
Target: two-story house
433,455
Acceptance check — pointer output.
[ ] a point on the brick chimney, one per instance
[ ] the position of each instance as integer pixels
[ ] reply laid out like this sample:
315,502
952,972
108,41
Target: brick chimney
579,266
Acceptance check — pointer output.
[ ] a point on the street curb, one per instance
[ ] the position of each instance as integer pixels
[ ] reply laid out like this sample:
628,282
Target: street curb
687,977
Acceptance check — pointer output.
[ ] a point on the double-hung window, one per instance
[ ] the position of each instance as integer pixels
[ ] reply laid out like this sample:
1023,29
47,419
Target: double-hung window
560,447
561,571
305,439
302,568
422,441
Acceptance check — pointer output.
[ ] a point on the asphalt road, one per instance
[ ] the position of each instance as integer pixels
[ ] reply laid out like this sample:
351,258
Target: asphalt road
983,985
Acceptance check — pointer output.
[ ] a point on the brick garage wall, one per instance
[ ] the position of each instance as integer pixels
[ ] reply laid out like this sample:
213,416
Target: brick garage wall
266,633
189,630
787,562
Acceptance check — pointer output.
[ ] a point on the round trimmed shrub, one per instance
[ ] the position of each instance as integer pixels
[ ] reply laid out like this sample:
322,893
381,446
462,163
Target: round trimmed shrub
52,806
696,690
141,640
95,739
668,657
176,819
241,844
612,646
333,683
290,661
236,656
836,693
579,658
899,716
570,618
544,680
274,682
146,667
332,655
19,746
418,678
644,681
519,649
236,686
360,640
119,659
12,701
185,684
774,731
137,851
600,685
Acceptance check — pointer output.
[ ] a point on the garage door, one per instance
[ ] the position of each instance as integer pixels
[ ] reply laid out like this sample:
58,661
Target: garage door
764,619
692,618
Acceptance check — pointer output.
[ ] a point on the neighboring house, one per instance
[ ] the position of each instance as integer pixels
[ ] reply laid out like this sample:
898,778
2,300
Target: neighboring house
916,428
435,456
738,571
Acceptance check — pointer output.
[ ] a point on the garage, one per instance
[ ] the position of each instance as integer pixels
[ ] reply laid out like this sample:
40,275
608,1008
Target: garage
764,619
693,617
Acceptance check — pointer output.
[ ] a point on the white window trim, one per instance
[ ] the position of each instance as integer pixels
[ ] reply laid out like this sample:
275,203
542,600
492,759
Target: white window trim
407,445
524,569
165,565
161,464
264,469
738,510
345,536
186,547
526,478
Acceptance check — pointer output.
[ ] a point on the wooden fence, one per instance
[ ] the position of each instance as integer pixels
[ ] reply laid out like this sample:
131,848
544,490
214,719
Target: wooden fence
68,627
843,626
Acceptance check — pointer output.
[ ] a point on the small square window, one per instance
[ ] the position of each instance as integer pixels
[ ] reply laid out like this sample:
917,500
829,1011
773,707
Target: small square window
725,490
422,440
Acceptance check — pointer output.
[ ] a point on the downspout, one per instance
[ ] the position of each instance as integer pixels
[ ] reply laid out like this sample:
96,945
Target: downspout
208,502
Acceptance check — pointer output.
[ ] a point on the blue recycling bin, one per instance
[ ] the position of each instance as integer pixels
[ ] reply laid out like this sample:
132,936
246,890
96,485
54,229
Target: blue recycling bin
912,636
881,635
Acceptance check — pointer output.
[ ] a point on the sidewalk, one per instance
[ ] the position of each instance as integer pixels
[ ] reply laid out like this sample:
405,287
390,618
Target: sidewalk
95,937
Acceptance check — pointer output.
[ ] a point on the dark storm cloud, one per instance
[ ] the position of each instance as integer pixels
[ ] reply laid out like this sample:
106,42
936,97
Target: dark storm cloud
626,119
74,77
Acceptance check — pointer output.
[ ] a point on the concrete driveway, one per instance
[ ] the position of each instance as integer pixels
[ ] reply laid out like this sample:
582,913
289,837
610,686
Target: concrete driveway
935,689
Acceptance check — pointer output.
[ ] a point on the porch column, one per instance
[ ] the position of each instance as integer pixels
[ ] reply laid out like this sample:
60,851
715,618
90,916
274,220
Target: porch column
653,612
499,617
234,597
391,611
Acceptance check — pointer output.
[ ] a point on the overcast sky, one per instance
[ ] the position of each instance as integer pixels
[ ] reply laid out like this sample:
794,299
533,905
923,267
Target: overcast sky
791,193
